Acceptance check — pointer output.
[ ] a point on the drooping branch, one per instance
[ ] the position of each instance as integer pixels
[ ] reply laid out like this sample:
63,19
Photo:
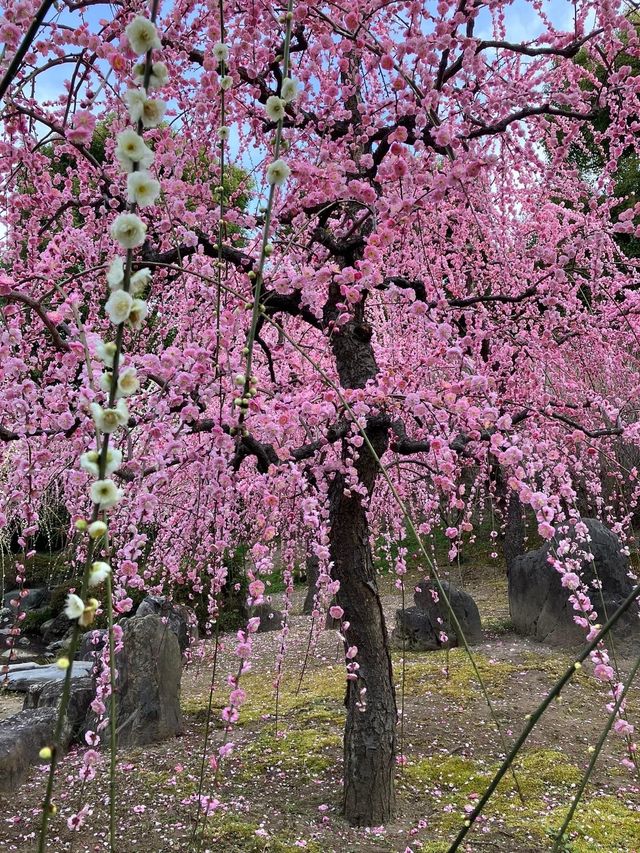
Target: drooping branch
34,305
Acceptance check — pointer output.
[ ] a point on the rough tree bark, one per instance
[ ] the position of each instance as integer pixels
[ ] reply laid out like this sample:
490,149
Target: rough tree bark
511,508
369,739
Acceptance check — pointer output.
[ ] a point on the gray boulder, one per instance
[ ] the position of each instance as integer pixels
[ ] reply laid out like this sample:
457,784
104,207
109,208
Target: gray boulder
150,668
34,599
539,604
270,618
180,618
21,739
48,695
56,629
92,644
419,628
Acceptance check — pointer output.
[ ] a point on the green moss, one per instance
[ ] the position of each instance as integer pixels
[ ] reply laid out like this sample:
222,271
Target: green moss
599,825
232,835
426,673
303,752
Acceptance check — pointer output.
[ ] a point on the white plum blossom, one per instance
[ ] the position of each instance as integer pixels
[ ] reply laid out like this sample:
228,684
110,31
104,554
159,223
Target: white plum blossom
226,82
108,420
142,35
223,133
74,607
131,148
220,51
105,382
135,99
277,173
118,306
99,572
158,78
113,462
90,460
139,310
142,189
275,108
106,352
153,112
115,274
105,493
289,89
142,108
128,230
128,382
140,280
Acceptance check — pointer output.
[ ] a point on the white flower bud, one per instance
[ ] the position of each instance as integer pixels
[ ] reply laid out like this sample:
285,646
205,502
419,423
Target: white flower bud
226,82
106,352
289,89
115,274
98,573
97,529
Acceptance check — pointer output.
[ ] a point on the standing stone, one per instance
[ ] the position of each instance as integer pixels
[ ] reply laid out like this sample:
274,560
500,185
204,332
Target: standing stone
149,668
180,618
420,628
539,604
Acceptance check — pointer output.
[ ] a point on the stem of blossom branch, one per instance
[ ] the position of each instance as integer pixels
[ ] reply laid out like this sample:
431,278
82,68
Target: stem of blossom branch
594,757
537,714
207,727
112,718
255,314
64,701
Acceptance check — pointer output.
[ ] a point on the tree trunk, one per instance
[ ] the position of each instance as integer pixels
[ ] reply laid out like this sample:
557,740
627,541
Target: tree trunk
514,530
510,506
369,738
313,572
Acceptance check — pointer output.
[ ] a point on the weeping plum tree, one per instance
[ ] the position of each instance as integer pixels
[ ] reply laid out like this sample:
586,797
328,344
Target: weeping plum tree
428,284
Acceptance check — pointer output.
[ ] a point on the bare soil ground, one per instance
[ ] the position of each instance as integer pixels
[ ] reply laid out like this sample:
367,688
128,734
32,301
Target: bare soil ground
280,792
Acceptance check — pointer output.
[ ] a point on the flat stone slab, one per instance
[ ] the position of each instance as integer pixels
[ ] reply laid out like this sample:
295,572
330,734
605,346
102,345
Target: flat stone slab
22,679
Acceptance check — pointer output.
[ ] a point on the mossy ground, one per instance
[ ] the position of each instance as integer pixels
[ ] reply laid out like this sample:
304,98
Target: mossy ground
279,791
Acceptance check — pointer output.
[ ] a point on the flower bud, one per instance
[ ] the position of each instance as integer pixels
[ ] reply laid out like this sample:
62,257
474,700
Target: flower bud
97,529
45,753
81,524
